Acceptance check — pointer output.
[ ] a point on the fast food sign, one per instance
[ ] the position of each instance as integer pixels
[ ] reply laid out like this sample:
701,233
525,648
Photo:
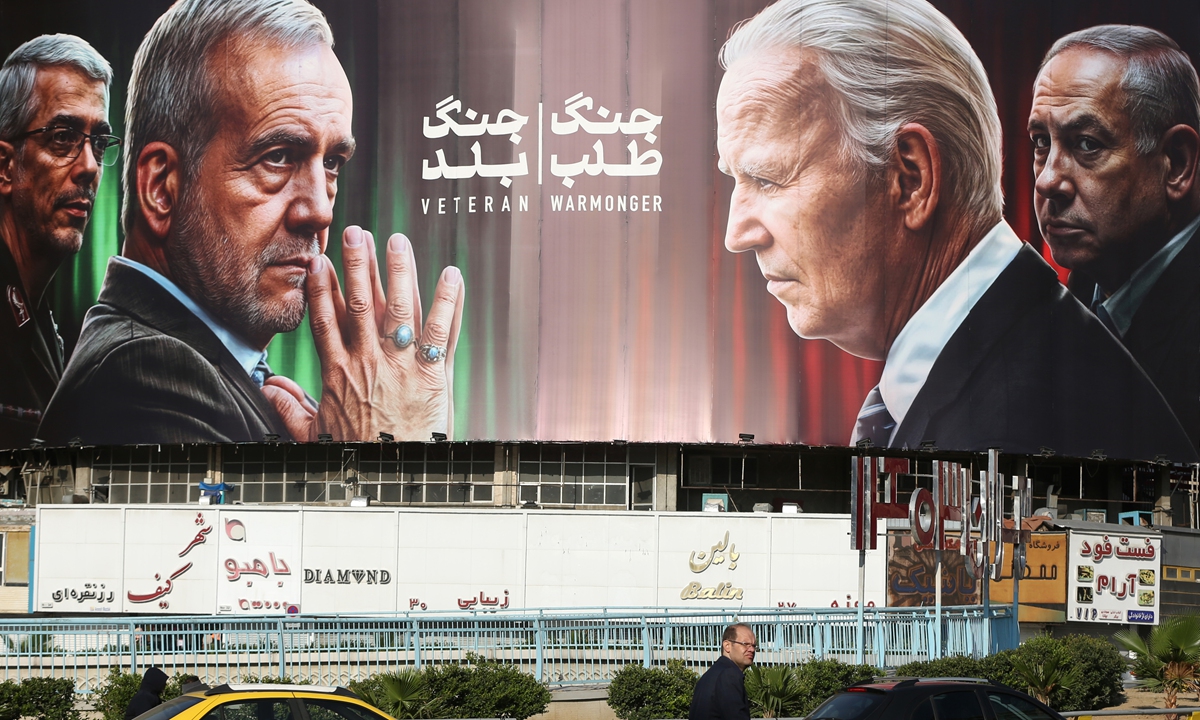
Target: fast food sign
1114,578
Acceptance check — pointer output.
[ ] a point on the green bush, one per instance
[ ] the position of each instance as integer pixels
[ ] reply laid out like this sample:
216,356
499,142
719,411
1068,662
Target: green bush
48,698
954,666
485,689
639,693
1100,671
820,679
114,694
10,700
368,689
1098,678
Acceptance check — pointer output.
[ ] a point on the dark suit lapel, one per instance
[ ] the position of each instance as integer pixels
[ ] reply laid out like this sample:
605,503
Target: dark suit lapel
1021,286
149,302
1177,291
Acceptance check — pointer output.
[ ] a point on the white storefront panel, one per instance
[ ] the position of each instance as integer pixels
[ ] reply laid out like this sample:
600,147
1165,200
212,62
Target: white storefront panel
278,560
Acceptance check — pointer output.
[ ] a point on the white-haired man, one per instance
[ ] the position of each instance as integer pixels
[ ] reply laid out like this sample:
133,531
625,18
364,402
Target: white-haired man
865,147
1115,124
54,143
239,121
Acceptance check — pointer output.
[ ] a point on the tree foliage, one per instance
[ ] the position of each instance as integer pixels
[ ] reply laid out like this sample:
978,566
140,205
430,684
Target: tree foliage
1167,661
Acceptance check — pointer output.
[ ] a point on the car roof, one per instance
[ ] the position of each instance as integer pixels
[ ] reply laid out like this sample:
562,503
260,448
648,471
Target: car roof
274,687
895,683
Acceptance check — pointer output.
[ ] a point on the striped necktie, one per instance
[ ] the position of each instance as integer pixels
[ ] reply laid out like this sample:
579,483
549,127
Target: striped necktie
875,423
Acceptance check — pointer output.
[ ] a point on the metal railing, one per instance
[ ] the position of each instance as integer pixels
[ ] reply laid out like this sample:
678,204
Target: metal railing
1191,713
559,647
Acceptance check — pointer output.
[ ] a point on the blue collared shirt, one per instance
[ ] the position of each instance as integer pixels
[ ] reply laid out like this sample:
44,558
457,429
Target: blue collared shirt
1123,304
926,333
246,356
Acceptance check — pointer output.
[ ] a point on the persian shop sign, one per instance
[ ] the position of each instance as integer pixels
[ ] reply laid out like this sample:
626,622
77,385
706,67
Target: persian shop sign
701,560
1113,578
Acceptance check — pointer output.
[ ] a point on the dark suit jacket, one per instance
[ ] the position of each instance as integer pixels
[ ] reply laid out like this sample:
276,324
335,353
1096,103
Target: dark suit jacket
147,370
720,693
31,361
1164,336
1029,367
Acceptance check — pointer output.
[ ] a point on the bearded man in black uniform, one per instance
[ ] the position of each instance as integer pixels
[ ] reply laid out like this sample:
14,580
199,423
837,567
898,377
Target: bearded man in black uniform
54,143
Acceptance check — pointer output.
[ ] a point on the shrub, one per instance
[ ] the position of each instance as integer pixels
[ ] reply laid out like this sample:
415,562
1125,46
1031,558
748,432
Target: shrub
953,666
48,698
1094,664
485,689
1100,667
639,693
367,689
820,679
10,700
114,694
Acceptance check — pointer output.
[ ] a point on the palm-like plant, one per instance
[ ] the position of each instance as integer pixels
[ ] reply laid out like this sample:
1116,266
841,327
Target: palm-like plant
1044,678
1169,659
403,695
775,691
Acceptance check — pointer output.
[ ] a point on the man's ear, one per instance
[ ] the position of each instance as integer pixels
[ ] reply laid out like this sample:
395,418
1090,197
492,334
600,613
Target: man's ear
917,175
1181,147
8,166
158,182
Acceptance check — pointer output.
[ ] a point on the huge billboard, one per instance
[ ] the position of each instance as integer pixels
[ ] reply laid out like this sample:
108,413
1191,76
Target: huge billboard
285,560
642,221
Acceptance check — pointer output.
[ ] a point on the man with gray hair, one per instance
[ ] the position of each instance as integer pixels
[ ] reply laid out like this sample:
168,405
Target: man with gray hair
1115,124
865,148
54,143
239,119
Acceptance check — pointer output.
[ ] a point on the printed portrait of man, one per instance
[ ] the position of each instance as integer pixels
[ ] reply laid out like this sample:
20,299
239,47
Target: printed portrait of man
239,120
865,150
1115,124
55,140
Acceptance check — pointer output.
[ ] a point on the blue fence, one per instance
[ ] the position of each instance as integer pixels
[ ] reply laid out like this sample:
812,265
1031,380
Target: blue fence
557,647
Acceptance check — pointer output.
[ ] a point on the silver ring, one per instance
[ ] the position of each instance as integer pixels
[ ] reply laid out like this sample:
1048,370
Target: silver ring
431,353
403,336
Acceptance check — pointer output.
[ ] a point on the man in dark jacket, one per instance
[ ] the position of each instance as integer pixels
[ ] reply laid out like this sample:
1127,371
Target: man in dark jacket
721,692
149,695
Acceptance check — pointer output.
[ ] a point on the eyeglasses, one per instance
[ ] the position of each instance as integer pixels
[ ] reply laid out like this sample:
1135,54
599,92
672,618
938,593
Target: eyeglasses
67,143
752,646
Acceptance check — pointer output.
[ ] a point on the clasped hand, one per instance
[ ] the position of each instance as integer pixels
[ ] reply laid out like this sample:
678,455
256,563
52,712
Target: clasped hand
369,383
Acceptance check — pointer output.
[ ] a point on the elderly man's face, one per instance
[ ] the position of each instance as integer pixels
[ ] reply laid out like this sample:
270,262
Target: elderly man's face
797,204
1095,194
52,196
261,206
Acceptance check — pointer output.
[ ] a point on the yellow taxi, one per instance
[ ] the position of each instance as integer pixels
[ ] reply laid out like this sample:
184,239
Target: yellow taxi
266,702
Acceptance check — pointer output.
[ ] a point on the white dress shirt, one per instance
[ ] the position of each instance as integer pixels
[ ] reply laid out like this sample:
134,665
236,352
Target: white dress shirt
926,333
